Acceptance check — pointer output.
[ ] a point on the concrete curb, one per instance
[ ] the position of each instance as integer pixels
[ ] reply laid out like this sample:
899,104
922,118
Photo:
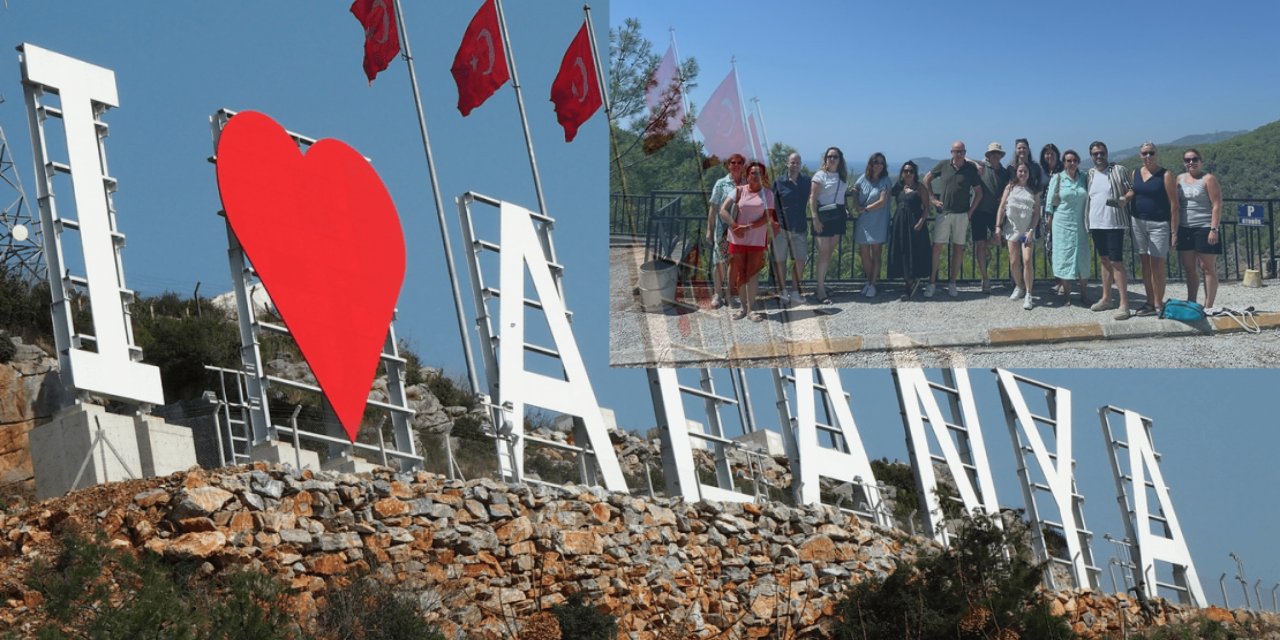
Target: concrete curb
1016,336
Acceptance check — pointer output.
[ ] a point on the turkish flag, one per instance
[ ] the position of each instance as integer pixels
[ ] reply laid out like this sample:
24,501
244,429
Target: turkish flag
721,120
480,66
576,89
381,37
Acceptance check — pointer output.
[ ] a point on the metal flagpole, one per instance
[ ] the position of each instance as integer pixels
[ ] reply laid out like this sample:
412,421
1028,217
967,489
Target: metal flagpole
608,109
435,192
764,134
684,98
528,139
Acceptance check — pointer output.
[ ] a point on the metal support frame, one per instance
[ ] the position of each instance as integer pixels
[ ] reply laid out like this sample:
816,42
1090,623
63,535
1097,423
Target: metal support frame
252,387
1135,465
525,249
1056,467
84,92
845,461
960,441
681,471
20,238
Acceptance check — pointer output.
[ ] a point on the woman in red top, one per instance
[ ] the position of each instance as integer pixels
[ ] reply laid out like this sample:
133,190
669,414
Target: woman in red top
746,213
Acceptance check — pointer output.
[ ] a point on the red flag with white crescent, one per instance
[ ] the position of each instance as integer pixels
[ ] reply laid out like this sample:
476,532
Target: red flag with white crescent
576,89
721,120
480,66
381,37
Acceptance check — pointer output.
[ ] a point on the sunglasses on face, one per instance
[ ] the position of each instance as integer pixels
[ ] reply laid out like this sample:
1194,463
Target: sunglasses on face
1148,154
1191,160
1099,154
957,151
911,171
833,157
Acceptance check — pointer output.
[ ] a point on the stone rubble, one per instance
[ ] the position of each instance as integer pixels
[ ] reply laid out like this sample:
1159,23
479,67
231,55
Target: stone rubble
484,553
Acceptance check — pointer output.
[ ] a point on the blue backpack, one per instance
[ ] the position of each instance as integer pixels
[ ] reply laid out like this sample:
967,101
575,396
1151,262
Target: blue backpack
1183,310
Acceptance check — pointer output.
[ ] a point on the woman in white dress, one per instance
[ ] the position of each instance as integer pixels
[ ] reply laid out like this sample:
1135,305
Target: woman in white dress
1017,219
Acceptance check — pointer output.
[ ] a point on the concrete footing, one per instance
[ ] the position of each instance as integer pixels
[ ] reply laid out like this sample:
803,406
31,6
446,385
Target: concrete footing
344,464
116,447
284,453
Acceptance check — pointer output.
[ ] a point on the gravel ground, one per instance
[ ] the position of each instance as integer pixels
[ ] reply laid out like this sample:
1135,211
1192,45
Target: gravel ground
854,331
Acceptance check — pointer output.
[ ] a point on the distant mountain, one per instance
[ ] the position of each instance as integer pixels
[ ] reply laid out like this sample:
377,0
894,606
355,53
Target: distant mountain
1247,165
1184,141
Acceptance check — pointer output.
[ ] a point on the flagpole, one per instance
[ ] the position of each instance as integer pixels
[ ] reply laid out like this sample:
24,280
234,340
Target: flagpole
435,192
697,161
547,248
608,111
764,133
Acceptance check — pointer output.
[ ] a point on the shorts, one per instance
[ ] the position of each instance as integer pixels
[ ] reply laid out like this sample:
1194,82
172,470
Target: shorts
1011,234
951,227
830,229
790,244
1109,243
1197,239
744,263
1151,238
981,225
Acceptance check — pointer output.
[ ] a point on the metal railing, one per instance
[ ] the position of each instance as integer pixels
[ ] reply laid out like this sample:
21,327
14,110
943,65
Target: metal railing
672,222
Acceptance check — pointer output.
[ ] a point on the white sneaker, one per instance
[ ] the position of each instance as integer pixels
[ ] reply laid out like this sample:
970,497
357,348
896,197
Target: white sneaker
929,289
869,290
1017,293
1026,303
717,301
952,291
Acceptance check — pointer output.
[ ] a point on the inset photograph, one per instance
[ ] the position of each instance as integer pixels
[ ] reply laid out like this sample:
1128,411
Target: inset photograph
865,204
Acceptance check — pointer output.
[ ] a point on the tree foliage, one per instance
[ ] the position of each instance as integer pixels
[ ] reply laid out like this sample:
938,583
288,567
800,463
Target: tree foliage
1247,166
982,586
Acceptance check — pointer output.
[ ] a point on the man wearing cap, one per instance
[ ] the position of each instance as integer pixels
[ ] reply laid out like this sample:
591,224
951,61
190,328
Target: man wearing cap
983,224
961,193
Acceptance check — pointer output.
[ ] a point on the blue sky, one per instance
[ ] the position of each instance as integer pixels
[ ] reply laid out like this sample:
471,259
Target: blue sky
176,64
908,79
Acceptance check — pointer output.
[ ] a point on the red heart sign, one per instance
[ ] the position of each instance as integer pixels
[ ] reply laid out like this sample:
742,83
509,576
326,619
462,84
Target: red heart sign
323,234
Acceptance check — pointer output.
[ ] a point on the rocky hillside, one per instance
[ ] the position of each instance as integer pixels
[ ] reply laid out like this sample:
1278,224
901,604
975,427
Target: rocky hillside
482,557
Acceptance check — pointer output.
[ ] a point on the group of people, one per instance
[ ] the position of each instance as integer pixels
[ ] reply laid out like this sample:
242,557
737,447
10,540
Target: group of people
986,201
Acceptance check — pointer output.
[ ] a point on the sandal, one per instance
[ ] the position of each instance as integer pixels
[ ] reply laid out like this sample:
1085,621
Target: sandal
756,316
742,313
1146,310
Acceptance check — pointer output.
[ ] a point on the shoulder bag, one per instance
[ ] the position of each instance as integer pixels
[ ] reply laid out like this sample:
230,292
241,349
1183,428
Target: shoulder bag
836,211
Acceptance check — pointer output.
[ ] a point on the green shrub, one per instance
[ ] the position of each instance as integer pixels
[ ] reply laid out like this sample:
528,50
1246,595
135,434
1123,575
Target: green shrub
7,349
366,609
182,346
91,590
581,621
450,392
981,584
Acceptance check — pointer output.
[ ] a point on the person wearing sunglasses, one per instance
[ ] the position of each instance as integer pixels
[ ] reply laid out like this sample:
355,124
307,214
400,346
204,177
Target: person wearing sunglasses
872,228
826,205
1199,237
1108,203
1066,212
717,232
1155,215
909,256
747,213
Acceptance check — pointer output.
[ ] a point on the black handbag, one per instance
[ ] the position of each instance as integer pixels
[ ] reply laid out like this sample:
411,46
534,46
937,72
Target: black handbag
836,211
